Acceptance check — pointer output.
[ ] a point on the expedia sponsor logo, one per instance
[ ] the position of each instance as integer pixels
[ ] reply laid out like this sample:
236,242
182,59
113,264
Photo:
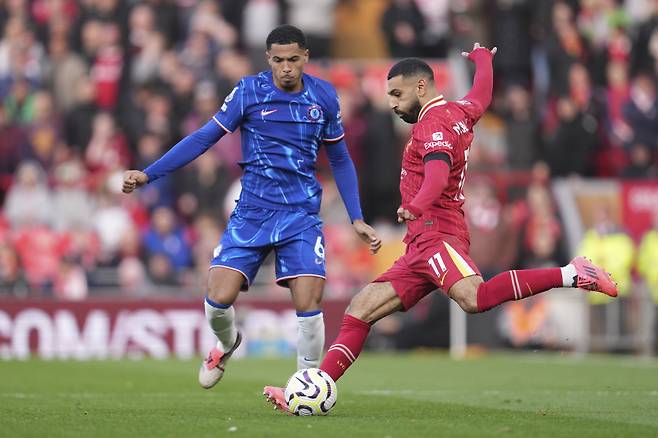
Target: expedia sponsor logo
438,144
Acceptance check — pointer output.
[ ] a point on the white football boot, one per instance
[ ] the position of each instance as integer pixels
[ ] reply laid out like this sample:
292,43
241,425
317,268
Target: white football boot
212,368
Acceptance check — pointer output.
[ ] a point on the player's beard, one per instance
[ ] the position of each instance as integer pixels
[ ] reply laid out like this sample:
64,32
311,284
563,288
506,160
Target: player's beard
411,116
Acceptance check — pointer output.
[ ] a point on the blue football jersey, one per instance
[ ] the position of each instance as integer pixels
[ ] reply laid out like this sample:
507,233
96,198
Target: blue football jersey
281,134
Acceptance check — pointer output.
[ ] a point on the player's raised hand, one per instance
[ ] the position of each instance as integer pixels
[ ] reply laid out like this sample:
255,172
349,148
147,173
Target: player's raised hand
133,179
368,235
477,47
405,215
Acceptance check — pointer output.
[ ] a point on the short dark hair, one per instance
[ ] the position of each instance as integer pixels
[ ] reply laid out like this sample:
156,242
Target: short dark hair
411,67
286,34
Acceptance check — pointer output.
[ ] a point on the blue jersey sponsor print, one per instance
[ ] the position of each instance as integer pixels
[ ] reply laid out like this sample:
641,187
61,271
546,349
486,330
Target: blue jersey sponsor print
281,134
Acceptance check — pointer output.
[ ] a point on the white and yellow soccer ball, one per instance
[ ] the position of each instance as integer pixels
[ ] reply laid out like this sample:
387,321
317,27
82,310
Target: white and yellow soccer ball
311,392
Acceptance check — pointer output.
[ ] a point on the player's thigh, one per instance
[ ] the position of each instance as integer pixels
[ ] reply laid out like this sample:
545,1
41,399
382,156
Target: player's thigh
306,292
301,255
374,302
443,261
464,292
408,279
240,251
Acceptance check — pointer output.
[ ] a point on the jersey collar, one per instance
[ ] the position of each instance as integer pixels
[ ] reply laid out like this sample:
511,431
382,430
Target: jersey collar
437,101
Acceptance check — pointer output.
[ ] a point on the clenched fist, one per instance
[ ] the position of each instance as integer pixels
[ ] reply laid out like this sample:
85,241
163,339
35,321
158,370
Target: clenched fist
133,179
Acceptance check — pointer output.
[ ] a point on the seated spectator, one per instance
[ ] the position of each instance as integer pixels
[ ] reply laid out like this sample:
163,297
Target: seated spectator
108,149
66,70
44,132
641,163
70,282
72,203
29,201
107,67
304,15
523,139
19,103
160,270
165,237
40,250
79,120
403,26
641,111
111,221
541,231
573,145
133,279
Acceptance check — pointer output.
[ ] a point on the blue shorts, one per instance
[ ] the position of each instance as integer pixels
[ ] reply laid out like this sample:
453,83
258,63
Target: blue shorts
252,232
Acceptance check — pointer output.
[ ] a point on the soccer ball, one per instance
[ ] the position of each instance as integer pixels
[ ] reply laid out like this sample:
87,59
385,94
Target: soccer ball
311,392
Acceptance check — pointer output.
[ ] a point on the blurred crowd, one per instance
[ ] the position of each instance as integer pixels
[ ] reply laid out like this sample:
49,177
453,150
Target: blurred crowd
90,88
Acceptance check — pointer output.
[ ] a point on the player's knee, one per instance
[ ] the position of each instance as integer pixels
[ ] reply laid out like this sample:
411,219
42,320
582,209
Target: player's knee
356,309
467,300
465,293
220,295
469,304
307,304
359,307
224,285
306,293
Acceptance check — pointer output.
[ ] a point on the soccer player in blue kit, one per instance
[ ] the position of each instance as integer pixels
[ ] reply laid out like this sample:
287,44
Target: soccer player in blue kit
284,117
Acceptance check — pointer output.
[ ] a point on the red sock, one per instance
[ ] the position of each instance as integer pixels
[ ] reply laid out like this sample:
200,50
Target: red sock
516,285
346,348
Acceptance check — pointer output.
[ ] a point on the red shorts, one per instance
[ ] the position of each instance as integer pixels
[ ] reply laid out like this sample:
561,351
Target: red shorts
432,261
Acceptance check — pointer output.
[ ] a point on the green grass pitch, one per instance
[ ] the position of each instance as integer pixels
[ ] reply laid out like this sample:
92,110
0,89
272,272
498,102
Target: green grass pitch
406,395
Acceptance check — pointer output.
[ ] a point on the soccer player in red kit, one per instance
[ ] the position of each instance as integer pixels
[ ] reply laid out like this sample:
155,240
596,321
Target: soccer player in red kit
434,167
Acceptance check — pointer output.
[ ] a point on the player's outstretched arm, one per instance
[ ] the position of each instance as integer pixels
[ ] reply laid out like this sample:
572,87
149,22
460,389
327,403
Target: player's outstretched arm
182,153
482,89
348,187
345,176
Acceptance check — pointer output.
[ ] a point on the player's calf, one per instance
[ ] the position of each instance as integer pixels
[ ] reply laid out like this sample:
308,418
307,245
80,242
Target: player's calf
517,285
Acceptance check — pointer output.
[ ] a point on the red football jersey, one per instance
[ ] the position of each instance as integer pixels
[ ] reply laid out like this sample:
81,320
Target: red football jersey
442,127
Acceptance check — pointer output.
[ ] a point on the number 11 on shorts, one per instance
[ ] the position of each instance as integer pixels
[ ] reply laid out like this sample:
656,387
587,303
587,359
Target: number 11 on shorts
442,266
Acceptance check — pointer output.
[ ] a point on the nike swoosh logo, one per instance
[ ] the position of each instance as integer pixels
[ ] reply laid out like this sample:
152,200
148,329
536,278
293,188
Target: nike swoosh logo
443,277
264,113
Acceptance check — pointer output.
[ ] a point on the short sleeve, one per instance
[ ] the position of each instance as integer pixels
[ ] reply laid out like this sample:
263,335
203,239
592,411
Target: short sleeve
333,129
433,137
472,109
230,114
